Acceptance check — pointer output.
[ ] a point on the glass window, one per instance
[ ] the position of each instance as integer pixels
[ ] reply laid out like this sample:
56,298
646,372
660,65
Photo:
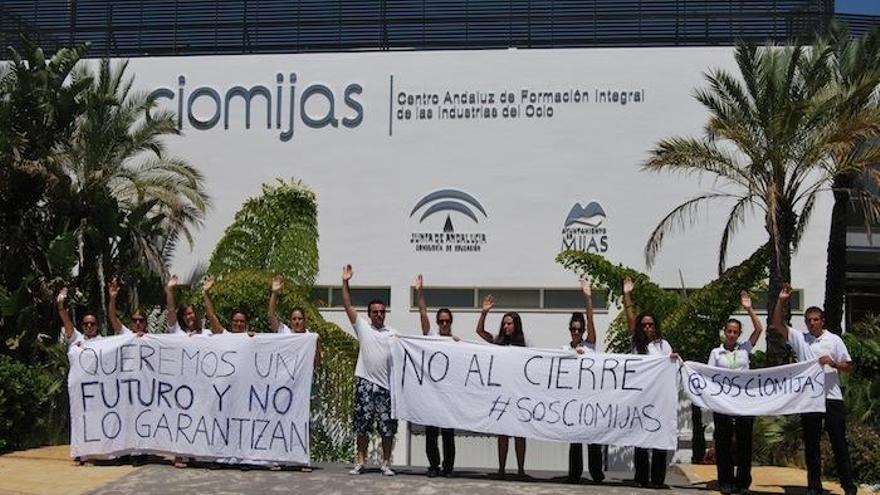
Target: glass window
361,296
445,297
573,299
512,298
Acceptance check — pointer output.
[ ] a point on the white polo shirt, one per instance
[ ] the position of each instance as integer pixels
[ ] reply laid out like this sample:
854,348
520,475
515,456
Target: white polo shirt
374,356
737,359
807,348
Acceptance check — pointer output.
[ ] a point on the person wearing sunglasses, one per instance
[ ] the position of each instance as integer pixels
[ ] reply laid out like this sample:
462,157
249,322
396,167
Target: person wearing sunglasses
509,333
138,320
646,338
581,344
373,372
444,329
69,332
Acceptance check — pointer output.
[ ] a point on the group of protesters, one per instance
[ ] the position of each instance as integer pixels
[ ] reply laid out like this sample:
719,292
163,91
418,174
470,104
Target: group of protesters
373,410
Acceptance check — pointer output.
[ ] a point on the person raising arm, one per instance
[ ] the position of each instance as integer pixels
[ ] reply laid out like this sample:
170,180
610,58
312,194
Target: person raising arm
590,337
210,312
138,321
832,354
423,307
373,372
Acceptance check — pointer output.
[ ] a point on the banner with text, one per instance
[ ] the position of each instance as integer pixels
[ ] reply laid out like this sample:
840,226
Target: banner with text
790,389
228,396
613,399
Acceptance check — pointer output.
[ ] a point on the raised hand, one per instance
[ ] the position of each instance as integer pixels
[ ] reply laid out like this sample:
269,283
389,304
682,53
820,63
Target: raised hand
785,292
62,296
208,285
628,285
420,281
172,282
113,288
347,272
488,303
586,287
746,300
277,283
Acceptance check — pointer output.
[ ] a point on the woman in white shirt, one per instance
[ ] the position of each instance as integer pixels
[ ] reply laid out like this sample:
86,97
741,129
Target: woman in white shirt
580,344
733,354
510,333
647,338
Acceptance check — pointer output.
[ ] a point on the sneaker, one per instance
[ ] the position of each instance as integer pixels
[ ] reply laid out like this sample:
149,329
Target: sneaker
433,472
386,470
357,469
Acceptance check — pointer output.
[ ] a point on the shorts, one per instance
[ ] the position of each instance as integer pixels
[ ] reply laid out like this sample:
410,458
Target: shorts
373,403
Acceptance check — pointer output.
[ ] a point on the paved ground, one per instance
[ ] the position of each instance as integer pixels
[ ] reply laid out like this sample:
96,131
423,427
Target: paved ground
333,479
50,471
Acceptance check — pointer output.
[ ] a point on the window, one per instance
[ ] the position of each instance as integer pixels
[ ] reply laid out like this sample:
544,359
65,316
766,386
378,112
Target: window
471,298
331,296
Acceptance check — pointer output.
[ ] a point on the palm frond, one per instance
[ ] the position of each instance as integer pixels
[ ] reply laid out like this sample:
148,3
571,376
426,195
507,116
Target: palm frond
678,218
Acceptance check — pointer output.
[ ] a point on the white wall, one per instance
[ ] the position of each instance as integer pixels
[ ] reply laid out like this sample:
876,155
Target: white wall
526,172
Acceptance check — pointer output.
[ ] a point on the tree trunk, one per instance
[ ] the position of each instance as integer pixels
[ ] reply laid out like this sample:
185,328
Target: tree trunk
778,351
835,265
101,287
698,439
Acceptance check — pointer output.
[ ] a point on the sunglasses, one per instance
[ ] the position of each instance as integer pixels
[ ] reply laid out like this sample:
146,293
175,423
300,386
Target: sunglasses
648,324
138,319
444,322
90,323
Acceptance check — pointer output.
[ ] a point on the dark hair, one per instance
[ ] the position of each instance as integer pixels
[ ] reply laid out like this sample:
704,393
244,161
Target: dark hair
734,320
181,310
815,309
301,311
88,312
578,317
236,311
375,301
444,310
518,338
640,339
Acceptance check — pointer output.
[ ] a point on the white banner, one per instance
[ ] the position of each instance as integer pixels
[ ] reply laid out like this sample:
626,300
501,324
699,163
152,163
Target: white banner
790,389
614,399
227,396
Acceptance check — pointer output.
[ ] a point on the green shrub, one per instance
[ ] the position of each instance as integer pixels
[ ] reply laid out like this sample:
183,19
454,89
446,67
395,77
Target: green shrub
33,405
864,453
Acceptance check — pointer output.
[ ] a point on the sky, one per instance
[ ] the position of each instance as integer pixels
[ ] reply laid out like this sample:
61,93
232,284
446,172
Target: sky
858,7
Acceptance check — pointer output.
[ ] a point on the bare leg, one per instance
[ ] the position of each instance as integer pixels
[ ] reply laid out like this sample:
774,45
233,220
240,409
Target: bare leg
387,445
503,442
520,447
362,442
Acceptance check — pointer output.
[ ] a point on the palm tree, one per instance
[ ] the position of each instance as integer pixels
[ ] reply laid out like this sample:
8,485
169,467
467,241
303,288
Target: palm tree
40,101
130,199
855,68
760,147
